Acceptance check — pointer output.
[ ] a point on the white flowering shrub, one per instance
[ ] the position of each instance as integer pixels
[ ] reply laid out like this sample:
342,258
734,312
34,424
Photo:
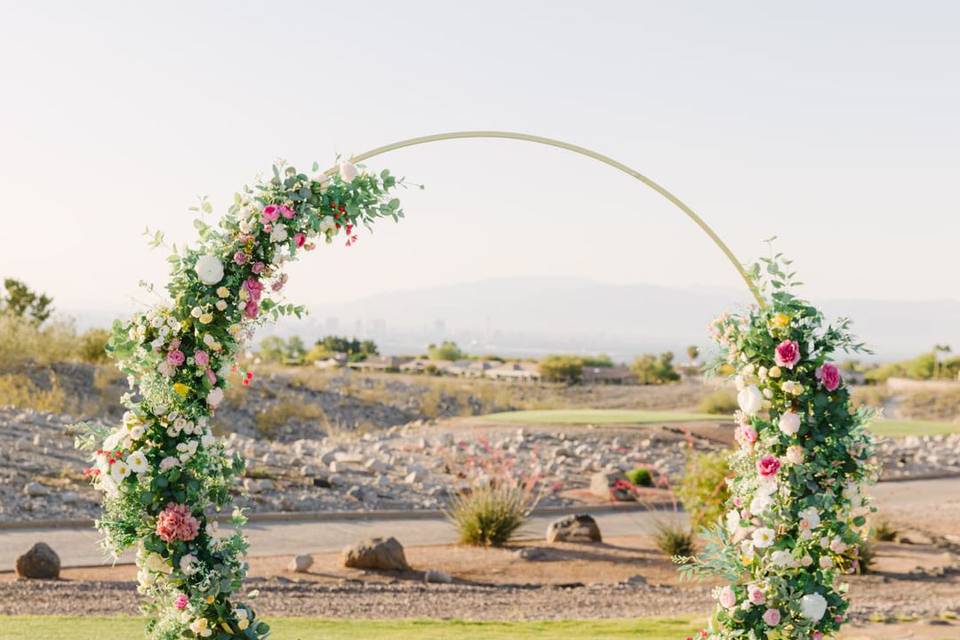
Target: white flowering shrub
796,515
162,473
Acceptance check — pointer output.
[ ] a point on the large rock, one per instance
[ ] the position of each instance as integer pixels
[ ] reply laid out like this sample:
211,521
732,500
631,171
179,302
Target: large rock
40,563
575,528
376,553
604,484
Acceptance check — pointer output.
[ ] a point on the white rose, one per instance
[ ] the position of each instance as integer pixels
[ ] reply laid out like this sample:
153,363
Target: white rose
760,504
279,234
209,269
137,462
809,518
188,564
750,400
789,423
347,171
327,224
813,606
169,463
781,558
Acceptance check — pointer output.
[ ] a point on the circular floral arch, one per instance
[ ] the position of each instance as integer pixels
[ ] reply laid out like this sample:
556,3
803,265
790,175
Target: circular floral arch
796,512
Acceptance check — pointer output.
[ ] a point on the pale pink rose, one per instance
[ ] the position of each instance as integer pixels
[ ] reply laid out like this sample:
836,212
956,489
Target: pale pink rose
175,358
789,423
201,358
271,213
771,617
787,354
755,594
768,466
746,434
177,523
829,376
211,376
727,598
240,257
181,602
257,267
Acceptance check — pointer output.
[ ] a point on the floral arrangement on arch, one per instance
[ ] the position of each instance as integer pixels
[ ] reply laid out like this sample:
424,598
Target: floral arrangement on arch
163,474
797,516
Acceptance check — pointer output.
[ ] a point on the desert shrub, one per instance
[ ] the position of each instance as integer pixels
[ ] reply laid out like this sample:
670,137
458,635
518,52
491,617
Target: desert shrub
92,345
21,392
23,340
883,531
674,540
866,557
719,402
447,350
568,369
640,477
651,369
271,421
703,489
490,514
931,405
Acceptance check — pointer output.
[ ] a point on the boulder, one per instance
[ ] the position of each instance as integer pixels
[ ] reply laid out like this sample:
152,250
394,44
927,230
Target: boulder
35,489
300,563
530,553
574,528
437,576
604,485
39,563
376,553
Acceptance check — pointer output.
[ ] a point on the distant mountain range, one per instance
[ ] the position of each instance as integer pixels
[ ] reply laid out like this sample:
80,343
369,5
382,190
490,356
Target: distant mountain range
532,316
543,314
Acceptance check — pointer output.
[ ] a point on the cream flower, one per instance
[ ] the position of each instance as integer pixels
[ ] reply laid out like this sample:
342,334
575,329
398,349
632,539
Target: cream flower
789,423
348,171
763,537
223,292
201,628
189,564
750,400
119,470
279,234
137,462
209,269
813,606
215,397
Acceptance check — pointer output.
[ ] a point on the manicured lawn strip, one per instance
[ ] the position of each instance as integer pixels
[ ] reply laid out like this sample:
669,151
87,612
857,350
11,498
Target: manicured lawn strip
599,416
901,428
98,628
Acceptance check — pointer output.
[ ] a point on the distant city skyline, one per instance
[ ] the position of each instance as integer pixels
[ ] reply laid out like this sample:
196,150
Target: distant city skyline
831,125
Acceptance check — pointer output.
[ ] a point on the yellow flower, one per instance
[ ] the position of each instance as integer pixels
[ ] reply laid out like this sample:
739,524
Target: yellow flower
774,372
206,318
223,292
210,599
780,321
181,389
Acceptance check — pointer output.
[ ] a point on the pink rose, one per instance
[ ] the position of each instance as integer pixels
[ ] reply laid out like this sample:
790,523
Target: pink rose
816,635
286,212
175,358
254,288
271,213
755,595
787,354
829,376
727,598
257,267
768,466
771,617
299,239
211,376
201,358
240,257
746,435
177,523
251,309
181,602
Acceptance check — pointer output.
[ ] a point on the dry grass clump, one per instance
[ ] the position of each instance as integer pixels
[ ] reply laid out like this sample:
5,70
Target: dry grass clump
20,391
674,540
490,514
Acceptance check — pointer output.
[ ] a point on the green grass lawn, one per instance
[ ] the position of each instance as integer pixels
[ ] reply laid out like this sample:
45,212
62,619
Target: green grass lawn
901,428
125,627
597,416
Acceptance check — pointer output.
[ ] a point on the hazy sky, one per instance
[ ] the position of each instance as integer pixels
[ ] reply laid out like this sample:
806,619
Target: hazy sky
832,125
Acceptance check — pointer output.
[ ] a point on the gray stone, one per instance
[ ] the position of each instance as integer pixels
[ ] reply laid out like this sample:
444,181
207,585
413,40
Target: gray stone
35,490
603,483
530,553
300,564
574,528
39,563
376,553
435,575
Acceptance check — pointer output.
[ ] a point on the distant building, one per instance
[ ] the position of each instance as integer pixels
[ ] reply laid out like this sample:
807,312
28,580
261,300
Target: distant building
608,375
515,371
335,361
379,363
469,368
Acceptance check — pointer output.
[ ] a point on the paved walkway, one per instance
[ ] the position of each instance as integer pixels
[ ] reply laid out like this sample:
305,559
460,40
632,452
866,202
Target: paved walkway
79,546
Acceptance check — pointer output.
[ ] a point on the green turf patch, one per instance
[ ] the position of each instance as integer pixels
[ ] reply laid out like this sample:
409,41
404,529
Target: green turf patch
902,428
97,628
598,416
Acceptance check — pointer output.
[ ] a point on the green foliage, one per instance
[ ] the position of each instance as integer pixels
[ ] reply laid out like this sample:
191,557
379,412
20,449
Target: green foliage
703,489
693,352
599,360
674,540
558,368
356,350
490,514
92,346
926,366
277,350
722,402
651,369
447,350
19,301
640,477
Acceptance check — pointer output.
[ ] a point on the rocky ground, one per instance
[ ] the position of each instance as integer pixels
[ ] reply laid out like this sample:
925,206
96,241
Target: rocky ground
414,466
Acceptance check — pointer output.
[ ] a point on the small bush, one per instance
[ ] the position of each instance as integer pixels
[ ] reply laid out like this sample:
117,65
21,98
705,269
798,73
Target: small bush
883,531
21,392
92,346
674,540
866,556
640,477
704,490
720,402
490,515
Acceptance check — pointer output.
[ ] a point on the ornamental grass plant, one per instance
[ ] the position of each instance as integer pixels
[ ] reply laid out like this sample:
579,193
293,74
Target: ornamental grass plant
491,514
